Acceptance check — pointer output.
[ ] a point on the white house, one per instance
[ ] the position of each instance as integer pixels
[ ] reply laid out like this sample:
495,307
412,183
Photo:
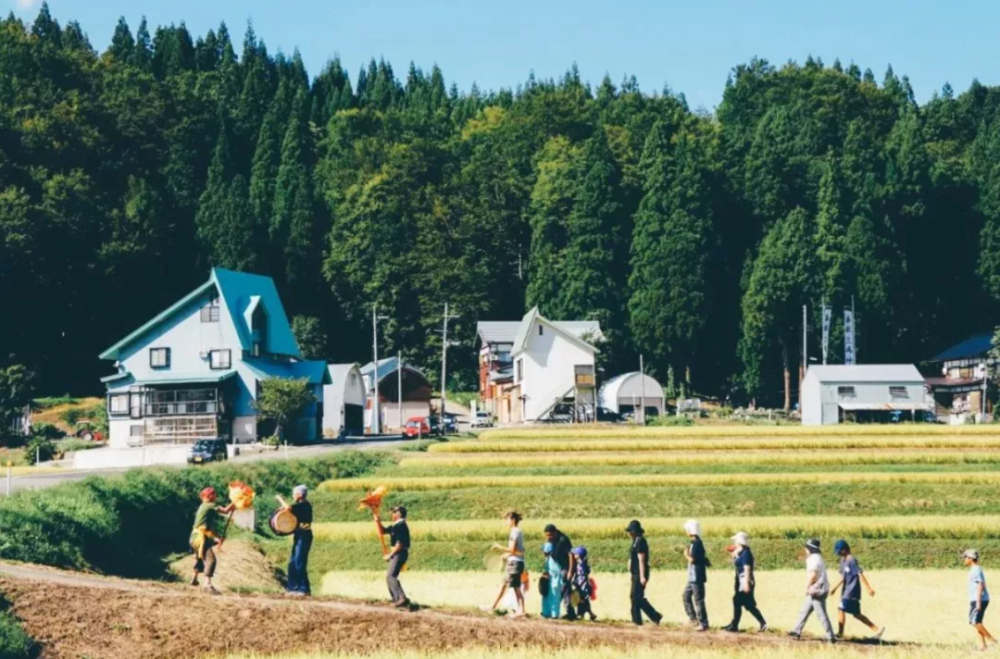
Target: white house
552,365
863,391
193,372
630,392
344,401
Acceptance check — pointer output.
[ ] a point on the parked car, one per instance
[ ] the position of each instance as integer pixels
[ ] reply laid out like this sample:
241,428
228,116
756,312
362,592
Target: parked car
416,427
208,450
449,425
482,420
608,416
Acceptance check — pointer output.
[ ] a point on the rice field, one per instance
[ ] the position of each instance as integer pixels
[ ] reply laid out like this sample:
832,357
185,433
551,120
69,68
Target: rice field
915,606
736,431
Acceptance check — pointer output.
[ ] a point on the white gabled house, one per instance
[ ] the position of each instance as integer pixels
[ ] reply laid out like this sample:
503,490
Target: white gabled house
194,371
551,363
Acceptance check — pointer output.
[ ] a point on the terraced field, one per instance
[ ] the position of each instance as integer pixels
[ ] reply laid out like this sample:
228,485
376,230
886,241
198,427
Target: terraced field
908,498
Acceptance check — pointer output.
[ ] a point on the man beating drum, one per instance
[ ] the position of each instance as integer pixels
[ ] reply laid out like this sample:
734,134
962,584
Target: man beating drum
399,551
204,536
302,537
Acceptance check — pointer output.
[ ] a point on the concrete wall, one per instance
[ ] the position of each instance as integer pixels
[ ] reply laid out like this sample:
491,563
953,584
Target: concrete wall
109,458
548,368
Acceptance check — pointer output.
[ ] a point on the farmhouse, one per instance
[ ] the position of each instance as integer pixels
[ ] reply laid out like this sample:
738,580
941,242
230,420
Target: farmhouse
393,408
344,401
528,367
959,390
630,392
863,392
194,371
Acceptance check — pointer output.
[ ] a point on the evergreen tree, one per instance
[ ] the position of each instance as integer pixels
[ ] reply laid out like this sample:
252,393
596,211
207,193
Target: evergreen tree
142,53
831,228
552,201
122,43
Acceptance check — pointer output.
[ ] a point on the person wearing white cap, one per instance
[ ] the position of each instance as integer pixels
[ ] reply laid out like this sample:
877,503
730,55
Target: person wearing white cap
697,575
743,598
817,590
979,597
302,538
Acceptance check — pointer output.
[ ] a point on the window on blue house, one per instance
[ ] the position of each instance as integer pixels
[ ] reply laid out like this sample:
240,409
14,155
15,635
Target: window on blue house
220,359
159,357
210,312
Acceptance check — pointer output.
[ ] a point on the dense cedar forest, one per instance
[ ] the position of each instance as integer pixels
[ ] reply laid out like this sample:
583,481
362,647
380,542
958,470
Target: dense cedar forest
694,238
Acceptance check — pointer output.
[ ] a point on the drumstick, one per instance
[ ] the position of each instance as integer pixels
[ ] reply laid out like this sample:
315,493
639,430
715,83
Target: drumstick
381,539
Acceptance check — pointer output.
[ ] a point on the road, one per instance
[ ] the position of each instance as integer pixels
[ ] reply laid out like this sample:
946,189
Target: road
48,478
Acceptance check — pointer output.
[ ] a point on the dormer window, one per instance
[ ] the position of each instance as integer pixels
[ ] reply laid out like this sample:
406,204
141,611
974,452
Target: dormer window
210,312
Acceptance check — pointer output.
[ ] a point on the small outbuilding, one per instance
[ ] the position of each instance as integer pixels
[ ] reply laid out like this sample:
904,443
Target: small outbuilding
628,392
403,392
344,401
863,393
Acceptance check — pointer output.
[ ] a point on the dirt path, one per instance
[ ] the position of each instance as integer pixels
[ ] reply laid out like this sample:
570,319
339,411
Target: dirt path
78,615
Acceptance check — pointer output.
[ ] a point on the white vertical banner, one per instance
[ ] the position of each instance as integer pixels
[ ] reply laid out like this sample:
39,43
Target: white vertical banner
827,319
849,356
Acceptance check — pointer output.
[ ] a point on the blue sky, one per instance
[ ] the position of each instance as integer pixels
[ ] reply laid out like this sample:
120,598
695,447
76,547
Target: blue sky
690,46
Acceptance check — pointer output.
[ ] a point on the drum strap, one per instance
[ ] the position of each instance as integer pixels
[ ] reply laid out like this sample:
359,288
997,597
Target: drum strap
305,527
199,543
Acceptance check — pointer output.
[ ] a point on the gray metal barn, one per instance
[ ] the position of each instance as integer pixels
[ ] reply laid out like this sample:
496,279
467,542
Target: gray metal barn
864,392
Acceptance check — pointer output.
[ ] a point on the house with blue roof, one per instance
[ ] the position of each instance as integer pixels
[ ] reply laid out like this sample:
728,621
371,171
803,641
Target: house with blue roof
194,371
961,389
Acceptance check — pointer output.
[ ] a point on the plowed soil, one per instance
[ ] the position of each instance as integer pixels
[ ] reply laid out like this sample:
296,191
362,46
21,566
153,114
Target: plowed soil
73,616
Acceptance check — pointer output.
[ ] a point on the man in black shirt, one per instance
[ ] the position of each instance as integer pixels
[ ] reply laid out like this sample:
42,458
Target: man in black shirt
298,569
562,553
399,551
638,566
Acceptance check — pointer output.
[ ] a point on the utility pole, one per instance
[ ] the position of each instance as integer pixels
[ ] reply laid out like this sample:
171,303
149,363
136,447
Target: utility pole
376,427
805,351
399,388
444,357
642,390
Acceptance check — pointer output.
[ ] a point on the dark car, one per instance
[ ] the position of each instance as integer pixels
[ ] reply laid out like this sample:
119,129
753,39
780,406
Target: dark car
605,415
207,450
450,425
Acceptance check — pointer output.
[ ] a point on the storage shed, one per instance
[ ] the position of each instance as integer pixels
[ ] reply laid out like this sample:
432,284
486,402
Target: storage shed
344,401
863,392
416,393
626,392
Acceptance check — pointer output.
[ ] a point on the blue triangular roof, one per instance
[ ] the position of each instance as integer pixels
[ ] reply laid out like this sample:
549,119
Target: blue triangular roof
238,291
972,347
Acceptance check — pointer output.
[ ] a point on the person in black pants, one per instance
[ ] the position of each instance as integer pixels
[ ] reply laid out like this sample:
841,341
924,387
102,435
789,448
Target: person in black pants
298,563
744,598
638,566
399,551
562,553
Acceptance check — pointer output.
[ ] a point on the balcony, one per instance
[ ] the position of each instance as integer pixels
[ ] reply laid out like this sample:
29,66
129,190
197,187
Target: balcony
181,402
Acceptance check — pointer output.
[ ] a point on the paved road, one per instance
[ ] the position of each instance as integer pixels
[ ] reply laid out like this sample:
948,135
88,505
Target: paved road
48,478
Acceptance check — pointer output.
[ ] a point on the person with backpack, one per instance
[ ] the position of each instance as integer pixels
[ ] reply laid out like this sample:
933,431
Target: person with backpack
550,584
697,575
817,590
582,586
743,598
851,578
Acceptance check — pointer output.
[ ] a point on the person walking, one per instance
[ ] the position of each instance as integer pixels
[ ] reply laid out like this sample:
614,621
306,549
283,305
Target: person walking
697,575
638,567
581,584
562,553
553,590
817,590
302,538
979,597
745,585
514,555
851,578
204,536
399,553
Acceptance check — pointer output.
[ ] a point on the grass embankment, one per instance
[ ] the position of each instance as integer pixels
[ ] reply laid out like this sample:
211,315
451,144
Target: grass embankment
127,525
913,615
638,651
624,431
714,444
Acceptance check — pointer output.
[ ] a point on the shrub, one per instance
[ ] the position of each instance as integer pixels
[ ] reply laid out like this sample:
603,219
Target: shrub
39,448
668,420
283,400
272,440
73,444
14,641
48,431
71,416
46,402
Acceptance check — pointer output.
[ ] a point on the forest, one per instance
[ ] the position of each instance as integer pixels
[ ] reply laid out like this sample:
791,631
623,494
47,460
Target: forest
694,237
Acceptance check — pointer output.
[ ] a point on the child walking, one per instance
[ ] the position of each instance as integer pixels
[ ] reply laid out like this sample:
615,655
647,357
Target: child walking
851,578
581,584
697,575
553,590
979,597
745,584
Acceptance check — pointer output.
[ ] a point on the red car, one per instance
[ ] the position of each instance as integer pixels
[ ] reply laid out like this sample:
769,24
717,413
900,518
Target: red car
417,426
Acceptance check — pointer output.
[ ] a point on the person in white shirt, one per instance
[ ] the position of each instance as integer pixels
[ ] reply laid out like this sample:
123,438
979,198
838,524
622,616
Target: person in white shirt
817,590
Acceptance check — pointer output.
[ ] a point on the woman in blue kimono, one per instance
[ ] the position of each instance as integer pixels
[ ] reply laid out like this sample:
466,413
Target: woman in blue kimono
551,597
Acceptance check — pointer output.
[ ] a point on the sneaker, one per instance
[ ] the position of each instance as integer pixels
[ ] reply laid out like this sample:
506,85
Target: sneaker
701,628
402,604
731,628
795,635
877,636
763,628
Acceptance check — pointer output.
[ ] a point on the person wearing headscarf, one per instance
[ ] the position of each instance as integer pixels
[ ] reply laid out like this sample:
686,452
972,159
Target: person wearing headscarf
302,538
205,537
638,567
399,553
697,575
552,591
817,590
745,584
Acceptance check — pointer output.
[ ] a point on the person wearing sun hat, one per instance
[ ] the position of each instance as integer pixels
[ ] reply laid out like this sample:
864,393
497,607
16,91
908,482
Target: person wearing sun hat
743,597
697,574
817,590
979,597
552,593
638,567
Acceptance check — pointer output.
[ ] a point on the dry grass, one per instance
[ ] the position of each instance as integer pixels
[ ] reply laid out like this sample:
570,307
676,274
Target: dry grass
712,444
666,432
402,484
917,606
752,457
485,530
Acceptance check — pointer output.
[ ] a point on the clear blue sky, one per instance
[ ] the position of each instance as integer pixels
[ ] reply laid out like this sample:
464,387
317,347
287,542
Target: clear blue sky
690,45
